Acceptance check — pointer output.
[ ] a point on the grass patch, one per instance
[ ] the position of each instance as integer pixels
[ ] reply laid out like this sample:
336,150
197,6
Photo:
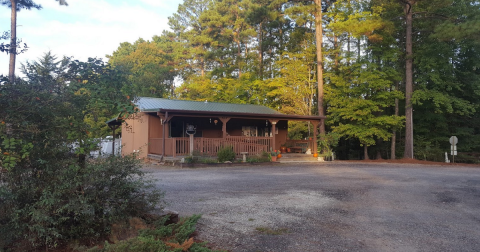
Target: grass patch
269,231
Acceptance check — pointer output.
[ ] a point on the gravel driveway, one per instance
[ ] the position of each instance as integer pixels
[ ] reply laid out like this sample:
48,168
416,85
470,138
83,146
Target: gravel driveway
331,206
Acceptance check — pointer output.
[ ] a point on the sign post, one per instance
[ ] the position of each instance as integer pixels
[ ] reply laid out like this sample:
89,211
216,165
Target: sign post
453,148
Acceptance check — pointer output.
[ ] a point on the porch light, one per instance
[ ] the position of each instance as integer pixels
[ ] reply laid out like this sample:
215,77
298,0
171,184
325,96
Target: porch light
215,121
266,122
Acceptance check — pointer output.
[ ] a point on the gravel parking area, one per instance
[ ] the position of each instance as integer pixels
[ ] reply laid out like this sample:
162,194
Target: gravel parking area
331,206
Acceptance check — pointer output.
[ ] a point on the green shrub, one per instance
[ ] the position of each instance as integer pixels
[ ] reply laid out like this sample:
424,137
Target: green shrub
265,157
59,201
226,154
425,149
50,193
191,159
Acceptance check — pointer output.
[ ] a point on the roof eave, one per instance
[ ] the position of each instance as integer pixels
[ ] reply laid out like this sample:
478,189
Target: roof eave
239,114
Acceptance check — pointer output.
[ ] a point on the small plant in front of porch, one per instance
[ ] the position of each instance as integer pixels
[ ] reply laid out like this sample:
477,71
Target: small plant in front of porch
265,157
226,154
191,160
275,153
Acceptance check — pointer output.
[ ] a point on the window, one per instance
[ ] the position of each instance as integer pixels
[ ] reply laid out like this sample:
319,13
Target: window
250,131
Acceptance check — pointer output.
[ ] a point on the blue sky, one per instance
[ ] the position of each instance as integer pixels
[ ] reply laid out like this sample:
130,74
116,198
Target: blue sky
85,28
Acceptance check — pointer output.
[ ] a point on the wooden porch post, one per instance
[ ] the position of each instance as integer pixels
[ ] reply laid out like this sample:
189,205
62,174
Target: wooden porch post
274,124
315,125
164,119
224,126
163,137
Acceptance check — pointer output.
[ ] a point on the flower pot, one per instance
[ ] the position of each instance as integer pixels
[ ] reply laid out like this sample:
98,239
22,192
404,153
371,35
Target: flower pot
289,150
283,149
274,158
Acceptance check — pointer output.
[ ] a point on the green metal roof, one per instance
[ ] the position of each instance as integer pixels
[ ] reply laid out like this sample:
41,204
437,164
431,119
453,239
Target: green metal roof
149,104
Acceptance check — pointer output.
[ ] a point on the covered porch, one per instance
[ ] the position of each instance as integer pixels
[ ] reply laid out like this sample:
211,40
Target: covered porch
244,132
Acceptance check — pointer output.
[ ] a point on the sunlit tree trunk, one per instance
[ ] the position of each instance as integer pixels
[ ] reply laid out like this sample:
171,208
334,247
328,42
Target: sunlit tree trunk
408,82
319,39
394,133
260,50
13,42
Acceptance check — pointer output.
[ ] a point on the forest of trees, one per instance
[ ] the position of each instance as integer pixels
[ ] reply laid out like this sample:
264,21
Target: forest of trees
382,60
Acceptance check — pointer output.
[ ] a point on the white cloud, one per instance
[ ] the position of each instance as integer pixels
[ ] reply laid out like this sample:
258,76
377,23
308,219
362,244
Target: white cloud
85,28
156,3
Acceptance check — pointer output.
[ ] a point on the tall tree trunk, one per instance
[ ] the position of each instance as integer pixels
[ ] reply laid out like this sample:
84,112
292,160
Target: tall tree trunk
13,41
260,50
365,152
202,66
239,56
319,40
335,46
358,50
394,133
349,52
408,82
379,143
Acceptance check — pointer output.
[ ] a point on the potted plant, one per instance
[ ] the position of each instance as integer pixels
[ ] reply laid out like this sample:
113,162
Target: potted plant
325,145
275,154
326,156
288,145
283,148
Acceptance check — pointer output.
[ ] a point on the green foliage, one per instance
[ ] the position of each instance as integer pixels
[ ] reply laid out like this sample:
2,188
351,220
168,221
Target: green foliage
148,67
226,154
49,193
298,130
172,237
427,150
209,160
274,153
326,143
265,157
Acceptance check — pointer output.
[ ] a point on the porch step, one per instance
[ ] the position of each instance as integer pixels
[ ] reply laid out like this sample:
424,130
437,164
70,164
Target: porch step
155,157
297,157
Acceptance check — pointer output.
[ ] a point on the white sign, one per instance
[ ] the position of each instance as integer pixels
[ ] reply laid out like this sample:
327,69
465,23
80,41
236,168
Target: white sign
453,140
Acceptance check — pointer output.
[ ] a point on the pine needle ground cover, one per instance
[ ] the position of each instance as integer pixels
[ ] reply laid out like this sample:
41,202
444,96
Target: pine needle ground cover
156,236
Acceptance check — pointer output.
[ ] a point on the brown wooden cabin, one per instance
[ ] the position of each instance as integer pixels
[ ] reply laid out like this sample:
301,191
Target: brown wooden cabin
160,128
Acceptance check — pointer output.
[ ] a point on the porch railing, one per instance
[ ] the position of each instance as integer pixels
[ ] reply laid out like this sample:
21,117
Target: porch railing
180,146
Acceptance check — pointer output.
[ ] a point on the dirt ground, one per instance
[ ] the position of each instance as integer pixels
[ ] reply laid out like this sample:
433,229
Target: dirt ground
377,205
411,161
